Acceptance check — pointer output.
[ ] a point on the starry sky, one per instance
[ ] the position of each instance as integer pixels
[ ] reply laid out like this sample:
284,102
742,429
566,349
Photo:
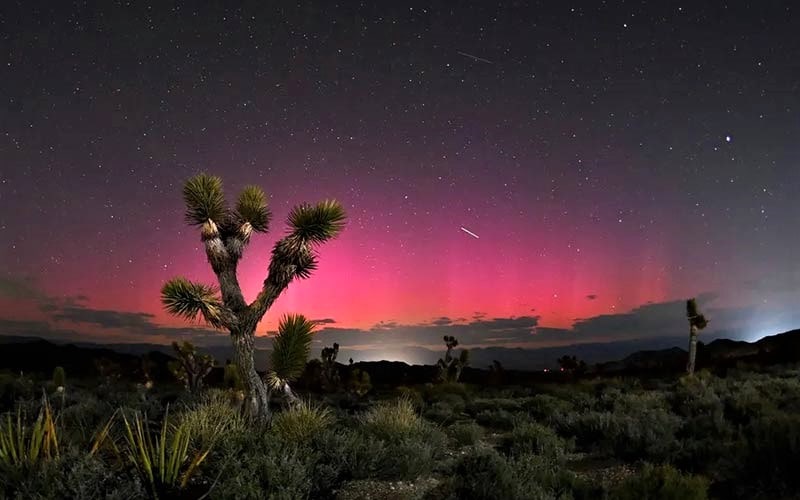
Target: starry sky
518,173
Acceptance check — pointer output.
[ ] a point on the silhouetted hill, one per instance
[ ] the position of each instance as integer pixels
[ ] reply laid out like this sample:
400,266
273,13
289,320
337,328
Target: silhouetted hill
34,355
720,354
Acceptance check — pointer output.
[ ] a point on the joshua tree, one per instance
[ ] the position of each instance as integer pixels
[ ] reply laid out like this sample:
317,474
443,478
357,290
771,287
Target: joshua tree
697,322
225,233
290,349
330,372
191,367
450,367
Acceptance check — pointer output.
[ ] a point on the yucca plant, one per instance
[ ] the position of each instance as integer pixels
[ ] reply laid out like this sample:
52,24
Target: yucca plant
165,460
24,446
225,234
290,349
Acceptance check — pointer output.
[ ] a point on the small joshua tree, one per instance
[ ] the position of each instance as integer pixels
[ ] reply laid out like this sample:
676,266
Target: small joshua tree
450,367
330,371
290,349
697,322
191,367
225,233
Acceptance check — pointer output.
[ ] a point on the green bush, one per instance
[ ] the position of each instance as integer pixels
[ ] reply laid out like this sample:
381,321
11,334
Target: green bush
661,483
499,419
636,427
531,437
260,467
547,408
212,417
392,420
466,433
301,422
483,474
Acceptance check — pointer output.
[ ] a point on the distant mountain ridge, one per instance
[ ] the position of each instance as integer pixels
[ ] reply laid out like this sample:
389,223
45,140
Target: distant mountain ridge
664,354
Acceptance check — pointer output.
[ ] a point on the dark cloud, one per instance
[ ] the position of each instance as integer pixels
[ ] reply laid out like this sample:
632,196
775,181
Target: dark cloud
105,318
324,321
591,296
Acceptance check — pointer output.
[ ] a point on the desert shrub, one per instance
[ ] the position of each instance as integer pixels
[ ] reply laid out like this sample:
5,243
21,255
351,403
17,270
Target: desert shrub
705,433
80,419
547,408
539,477
212,417
441,413
483,474
639,427
436,392
661,483
409,445
262,467
392,420
768,457
498,419
465,433
411,394
480,405
534,438
301,422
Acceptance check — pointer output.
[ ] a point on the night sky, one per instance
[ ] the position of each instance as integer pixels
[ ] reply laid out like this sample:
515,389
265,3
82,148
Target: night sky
612,158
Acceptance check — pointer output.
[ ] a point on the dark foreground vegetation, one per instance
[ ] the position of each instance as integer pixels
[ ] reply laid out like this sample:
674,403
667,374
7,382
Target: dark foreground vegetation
705,436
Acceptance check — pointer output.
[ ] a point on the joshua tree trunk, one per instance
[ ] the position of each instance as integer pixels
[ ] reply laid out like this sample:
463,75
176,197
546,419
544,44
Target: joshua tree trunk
257,391
692,349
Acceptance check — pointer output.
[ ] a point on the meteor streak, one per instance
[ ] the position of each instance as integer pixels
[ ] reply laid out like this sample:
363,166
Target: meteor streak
470,232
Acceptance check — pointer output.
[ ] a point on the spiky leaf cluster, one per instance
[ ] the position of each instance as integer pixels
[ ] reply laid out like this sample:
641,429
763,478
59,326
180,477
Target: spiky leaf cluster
317,223
204,199
186,299
290,348
696,319
252,208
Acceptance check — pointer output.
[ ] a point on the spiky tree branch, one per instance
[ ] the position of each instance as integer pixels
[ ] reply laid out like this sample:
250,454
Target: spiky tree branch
295,256
189,300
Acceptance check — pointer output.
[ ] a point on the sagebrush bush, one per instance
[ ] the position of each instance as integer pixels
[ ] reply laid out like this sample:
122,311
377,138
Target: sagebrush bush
636,427
301,422
483,474
499,419
534,438
466,433
546,408
662,482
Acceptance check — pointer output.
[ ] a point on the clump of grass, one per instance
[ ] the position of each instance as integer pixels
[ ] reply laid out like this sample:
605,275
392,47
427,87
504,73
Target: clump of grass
212,417
466,433
301,422
532,437
393,420
23,446
163,460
